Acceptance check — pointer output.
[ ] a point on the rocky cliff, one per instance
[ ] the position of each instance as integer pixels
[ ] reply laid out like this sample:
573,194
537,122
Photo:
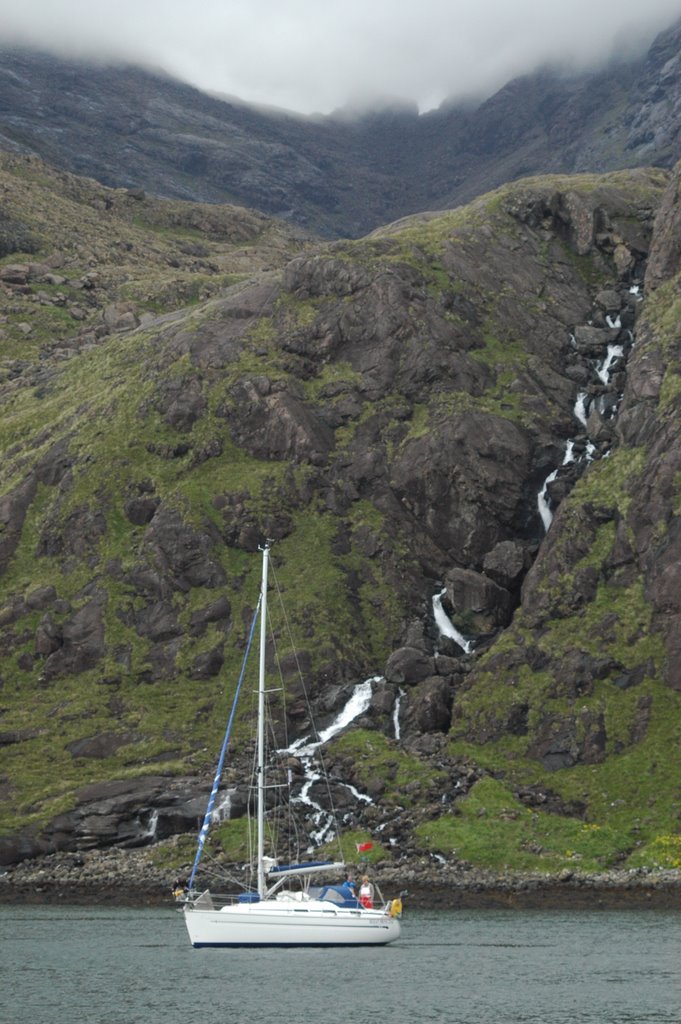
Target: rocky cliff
338,175
473,411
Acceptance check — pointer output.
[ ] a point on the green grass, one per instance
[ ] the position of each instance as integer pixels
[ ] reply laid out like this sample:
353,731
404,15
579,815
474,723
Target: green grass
409,782
494,830
346,604
633,793
348,842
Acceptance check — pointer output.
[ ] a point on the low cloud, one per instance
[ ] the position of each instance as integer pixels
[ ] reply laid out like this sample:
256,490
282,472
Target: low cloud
307,56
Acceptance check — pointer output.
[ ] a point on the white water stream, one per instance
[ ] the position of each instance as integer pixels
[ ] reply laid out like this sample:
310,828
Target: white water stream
581,409
542,501
359,701
223,811
152,826
396,713
446,626
603,369
543,496
304,749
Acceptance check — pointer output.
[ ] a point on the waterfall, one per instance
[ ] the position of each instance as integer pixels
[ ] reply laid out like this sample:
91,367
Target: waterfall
151,827
542,502
224,809
304,749
604,404
446,627
359,701
396,713
542,497
580,407
603,369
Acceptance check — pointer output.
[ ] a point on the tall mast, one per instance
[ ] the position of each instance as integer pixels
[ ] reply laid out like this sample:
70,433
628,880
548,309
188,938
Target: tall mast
261,724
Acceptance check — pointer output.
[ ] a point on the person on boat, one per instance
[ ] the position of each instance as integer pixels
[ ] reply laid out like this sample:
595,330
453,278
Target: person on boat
366,893
349,887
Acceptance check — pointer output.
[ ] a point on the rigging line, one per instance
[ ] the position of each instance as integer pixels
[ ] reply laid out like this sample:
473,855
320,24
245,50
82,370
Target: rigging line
218,771
292,853
277,662
250,801
318,751
219,872
282,808
283,813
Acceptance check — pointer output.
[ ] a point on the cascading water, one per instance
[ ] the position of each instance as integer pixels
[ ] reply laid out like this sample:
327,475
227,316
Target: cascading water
603,369
396,713
304,749
223,810
359,701
542,501
149,833
446,626
606,403
543,496
581,407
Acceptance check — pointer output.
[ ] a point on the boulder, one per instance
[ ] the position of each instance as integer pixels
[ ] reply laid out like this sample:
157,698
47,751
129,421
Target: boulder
182,553
181,402
82,644
408,665
507,563
485,604
131,812
428,707
463,482
208,664
562,742
157,621
141,510
41,597
100,746
271,421
216,611
592,341
48,637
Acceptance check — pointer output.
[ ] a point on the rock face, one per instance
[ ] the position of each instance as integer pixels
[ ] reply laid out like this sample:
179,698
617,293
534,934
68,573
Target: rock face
436,408
127,814
602,600
298,168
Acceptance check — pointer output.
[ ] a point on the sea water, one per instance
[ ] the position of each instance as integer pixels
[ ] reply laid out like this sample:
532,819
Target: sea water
71,965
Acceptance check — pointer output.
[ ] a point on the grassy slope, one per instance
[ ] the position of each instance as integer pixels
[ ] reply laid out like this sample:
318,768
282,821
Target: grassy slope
632,800
96,400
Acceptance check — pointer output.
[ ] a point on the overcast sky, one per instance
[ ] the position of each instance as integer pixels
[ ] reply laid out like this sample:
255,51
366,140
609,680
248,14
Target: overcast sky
318,55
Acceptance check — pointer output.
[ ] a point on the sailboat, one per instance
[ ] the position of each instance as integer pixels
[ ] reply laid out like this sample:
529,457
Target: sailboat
284,909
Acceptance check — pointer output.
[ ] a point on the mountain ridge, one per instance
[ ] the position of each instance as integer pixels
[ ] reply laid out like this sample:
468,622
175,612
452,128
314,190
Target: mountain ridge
127,127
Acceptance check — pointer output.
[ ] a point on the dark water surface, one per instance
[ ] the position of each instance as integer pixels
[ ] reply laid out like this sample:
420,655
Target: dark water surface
73,965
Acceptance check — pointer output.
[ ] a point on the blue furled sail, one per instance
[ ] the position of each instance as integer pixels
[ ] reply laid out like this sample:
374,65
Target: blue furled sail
221,760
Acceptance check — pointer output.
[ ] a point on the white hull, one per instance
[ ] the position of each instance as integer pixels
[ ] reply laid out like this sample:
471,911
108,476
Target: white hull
289,923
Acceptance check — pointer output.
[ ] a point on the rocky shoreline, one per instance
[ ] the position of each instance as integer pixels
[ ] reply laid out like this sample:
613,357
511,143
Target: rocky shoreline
129,877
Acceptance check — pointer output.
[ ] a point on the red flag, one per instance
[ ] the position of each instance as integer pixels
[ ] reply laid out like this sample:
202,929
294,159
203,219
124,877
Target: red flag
363,847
